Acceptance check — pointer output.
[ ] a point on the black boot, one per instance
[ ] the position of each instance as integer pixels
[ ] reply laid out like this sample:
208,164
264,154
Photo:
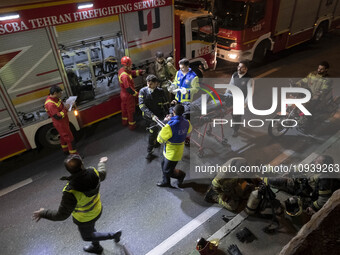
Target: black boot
116,236
96,249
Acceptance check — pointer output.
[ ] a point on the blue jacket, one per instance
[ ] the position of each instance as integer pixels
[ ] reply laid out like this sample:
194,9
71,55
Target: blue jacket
188,81
173,135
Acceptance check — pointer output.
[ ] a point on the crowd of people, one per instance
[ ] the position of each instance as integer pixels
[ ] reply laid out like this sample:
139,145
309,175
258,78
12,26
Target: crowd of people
164,104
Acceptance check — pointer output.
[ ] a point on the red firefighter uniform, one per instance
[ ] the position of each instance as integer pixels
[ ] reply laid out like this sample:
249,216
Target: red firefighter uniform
58,113
128,95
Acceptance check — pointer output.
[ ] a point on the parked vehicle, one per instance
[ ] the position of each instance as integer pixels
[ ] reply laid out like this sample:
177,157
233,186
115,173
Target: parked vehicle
79,48
248,29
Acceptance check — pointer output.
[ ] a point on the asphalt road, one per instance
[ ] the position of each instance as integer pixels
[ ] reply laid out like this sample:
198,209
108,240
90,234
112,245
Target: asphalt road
149,215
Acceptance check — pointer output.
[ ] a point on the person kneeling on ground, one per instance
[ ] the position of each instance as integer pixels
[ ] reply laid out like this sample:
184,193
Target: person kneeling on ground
229,192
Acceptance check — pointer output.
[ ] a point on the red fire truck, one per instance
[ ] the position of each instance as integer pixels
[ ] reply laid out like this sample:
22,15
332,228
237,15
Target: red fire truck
78,45
250,28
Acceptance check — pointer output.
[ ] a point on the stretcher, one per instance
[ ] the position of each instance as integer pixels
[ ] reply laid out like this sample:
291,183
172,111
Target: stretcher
203,124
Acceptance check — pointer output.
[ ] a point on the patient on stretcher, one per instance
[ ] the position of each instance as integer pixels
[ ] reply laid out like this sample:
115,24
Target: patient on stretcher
192,111
213,109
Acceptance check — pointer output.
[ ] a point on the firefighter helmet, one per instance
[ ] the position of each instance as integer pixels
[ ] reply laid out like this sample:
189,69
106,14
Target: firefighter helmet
159,54
126,61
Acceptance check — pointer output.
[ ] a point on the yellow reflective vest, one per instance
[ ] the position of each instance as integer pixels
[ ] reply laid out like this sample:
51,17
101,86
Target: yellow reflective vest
173,135
87,208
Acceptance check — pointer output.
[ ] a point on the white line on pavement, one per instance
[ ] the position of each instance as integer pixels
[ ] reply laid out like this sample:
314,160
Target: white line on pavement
246,148
184,231
227,228
15,186
321,148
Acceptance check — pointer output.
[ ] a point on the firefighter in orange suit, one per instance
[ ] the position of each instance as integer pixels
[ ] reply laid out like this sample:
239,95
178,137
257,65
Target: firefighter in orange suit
58,113
128,94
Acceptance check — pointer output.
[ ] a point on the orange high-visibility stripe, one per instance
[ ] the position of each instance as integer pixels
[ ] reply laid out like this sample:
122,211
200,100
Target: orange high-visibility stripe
130,76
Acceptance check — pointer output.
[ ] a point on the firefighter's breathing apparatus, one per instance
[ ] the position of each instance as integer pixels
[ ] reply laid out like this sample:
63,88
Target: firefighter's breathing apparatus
261,199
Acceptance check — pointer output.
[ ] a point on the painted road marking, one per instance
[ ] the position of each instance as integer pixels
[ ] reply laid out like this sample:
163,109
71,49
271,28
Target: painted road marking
321,148
282,157
267,73
21,184
227,228
246,148
184,231
15,186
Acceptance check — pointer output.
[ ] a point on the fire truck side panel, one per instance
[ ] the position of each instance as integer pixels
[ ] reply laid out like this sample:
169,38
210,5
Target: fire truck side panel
284,18
304,18
28,76
298,38
280,41
336,15
6,121
147,32
326,8
76,32
100,111
11,145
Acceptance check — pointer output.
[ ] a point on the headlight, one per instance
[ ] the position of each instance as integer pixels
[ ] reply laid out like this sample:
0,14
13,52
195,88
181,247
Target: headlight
233,45
232,56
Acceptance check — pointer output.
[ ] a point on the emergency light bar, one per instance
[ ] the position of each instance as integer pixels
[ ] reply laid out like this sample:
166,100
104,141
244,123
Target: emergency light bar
85,5
9,16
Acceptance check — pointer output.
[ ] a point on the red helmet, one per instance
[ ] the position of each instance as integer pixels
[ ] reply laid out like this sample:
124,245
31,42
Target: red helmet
126,61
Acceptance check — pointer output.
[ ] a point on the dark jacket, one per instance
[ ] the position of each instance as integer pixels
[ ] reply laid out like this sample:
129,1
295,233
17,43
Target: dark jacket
154,103
85,181
241,83
323,190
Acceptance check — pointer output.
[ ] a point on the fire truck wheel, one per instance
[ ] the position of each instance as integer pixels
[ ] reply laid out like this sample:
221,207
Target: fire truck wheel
320,32
48,136
260,52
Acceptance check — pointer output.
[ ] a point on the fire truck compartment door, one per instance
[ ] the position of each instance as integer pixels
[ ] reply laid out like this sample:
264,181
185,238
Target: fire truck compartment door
28,70
7,124
84,30
147,32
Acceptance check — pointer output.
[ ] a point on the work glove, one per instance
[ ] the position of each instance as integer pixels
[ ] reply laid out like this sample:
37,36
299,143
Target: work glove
183,91
234,250
172,88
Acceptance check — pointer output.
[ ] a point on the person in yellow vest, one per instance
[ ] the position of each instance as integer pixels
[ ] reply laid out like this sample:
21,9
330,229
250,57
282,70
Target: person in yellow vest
173,135
81,198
